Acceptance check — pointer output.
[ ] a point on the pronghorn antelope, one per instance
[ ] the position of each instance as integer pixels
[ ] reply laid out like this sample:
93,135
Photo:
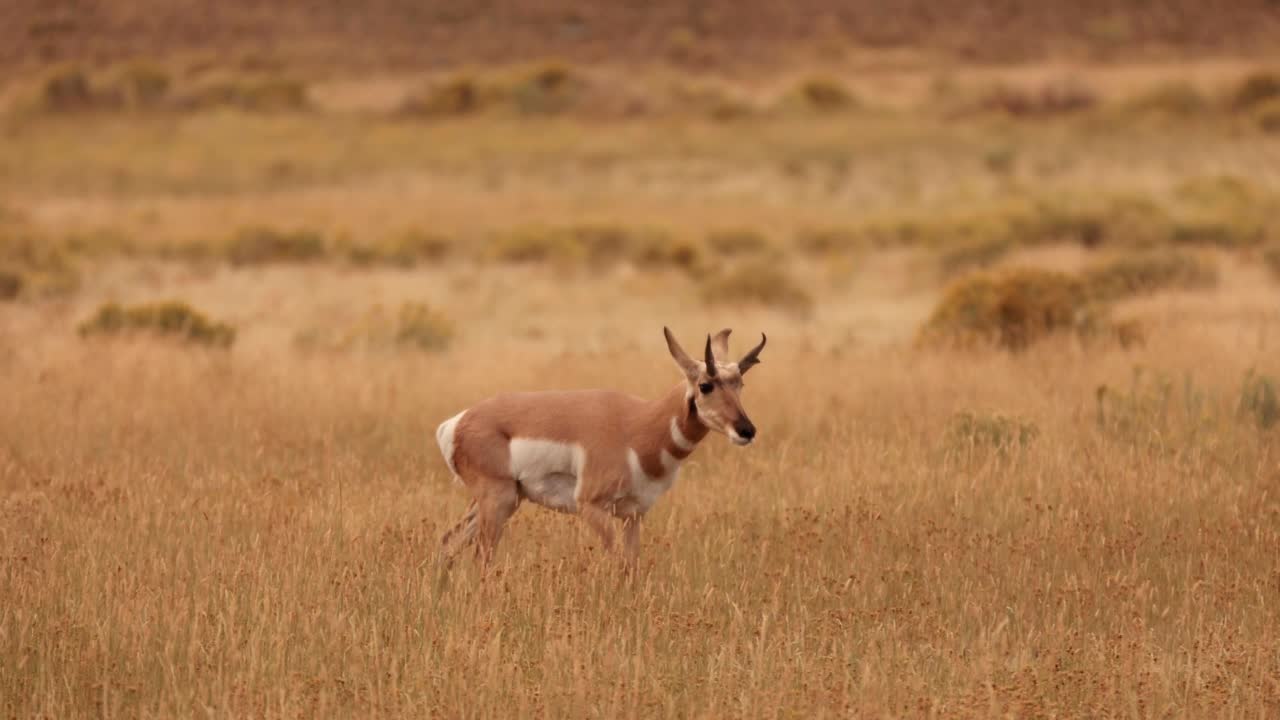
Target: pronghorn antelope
598,453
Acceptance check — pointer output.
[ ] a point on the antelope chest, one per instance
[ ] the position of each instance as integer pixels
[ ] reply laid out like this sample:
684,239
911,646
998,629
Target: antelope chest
645,489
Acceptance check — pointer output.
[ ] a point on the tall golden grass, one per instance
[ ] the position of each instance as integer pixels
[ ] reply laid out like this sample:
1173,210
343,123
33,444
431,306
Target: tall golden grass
195,533
1086,527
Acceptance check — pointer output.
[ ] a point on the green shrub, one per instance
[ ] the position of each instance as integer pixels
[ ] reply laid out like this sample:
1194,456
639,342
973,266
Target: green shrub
169,319
1258,401
1147,272
1012,309
970,433
260,245
737,241
1256,89
759,282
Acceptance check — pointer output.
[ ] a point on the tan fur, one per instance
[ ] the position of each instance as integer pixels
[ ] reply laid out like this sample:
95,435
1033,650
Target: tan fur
619,451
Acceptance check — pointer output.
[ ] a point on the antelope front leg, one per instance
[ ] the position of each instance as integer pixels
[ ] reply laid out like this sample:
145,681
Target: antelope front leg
601,521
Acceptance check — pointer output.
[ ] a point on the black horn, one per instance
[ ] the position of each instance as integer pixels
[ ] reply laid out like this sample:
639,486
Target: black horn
711,360
752,358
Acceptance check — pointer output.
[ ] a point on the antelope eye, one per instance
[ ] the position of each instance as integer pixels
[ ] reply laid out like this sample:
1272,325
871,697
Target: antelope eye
706,388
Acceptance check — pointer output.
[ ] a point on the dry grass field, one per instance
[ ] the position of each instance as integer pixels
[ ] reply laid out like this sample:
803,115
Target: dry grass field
1019,449
252,533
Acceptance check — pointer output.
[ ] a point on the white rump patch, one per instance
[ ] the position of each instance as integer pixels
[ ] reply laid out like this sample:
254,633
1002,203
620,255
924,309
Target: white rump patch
548,471
444,438
678,437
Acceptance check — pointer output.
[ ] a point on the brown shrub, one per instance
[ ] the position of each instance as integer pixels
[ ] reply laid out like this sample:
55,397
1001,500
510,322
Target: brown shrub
1271,258
1010,310
1268,117
69,88
824,95
11,283
546,89
1176,99
270,93
458,95
37,265
737,241
831,240
404,249
1054,98
1255,89
261,245
143,85
594,244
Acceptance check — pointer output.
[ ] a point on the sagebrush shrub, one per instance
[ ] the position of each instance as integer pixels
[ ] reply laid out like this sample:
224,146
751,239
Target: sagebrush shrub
1256,89
413,325
259,245
1011,309
172,318
1147,272
759,282
737,241
1258,401
968,433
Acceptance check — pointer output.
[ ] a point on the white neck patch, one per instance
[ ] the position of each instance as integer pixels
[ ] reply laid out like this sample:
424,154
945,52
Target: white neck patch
677,437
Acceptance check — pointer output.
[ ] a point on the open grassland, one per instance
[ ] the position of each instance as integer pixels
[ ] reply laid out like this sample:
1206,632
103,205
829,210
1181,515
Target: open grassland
192,532
1018,410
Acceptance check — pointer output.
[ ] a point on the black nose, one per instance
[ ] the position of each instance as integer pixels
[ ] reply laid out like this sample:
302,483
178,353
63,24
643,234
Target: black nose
745,429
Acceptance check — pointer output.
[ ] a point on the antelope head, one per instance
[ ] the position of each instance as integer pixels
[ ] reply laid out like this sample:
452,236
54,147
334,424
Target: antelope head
715,385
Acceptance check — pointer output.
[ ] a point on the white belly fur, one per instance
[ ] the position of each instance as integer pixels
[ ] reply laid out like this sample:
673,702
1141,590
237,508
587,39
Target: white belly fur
548,471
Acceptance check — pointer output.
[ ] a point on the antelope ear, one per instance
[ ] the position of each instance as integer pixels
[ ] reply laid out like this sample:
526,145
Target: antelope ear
752,358
720,345
686,364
